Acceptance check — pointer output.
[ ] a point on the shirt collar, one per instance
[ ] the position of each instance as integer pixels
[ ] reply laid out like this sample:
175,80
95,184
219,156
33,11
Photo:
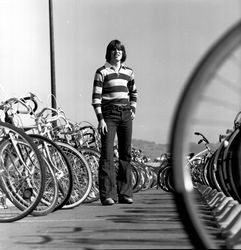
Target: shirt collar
108,65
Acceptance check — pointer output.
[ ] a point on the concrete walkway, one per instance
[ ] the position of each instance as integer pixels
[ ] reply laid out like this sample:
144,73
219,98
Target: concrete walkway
151,222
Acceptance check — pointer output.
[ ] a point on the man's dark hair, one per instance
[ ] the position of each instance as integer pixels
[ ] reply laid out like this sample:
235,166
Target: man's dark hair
113,45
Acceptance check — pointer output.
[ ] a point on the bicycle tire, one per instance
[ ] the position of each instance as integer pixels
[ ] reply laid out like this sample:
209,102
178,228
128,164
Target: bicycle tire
82,177
163,177
231,158
49,199
141,177
220,171
61,167
22,183
92,155
135,177
17,200
215,60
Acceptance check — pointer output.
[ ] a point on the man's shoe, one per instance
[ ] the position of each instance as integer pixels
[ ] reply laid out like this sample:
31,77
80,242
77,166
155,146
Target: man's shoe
125,200
108,202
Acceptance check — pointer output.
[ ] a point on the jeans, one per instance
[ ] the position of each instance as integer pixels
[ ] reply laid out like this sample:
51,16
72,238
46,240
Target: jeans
116,182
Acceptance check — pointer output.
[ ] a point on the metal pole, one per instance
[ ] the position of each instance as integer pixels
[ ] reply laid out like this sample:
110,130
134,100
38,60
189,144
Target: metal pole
52,55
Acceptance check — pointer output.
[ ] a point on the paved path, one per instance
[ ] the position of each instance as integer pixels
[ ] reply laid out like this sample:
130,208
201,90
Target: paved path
150,223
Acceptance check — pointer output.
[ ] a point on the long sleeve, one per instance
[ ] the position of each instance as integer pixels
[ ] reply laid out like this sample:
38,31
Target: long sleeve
132,93
97,94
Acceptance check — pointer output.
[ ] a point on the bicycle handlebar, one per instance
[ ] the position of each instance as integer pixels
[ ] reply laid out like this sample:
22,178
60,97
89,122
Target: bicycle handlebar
14,100
237,120
203,138
31,98
59,113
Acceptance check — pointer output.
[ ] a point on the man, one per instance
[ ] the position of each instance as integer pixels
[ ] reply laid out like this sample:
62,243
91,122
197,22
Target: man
114,100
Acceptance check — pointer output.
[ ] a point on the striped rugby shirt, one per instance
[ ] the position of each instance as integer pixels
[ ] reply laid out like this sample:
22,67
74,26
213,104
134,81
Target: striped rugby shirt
111,87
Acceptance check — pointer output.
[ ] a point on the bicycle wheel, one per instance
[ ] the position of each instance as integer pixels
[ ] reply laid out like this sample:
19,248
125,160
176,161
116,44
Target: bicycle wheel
50,195
135,177
60,166
22,174
209,103
164,178
220,170
148,178
140,177
92,156
82,177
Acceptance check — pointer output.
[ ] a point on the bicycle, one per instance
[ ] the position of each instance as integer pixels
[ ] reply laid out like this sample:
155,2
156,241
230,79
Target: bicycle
164,173
86,139
53,124
57,165
198,164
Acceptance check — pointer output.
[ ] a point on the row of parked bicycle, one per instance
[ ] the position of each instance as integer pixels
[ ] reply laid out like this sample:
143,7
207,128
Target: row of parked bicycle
52,163
218,168
221,168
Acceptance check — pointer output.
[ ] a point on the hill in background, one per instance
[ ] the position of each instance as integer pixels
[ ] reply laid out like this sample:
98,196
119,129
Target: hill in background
149,148
154,150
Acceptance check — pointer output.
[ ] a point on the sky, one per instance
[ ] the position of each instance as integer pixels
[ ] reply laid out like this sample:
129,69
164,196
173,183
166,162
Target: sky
164,40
